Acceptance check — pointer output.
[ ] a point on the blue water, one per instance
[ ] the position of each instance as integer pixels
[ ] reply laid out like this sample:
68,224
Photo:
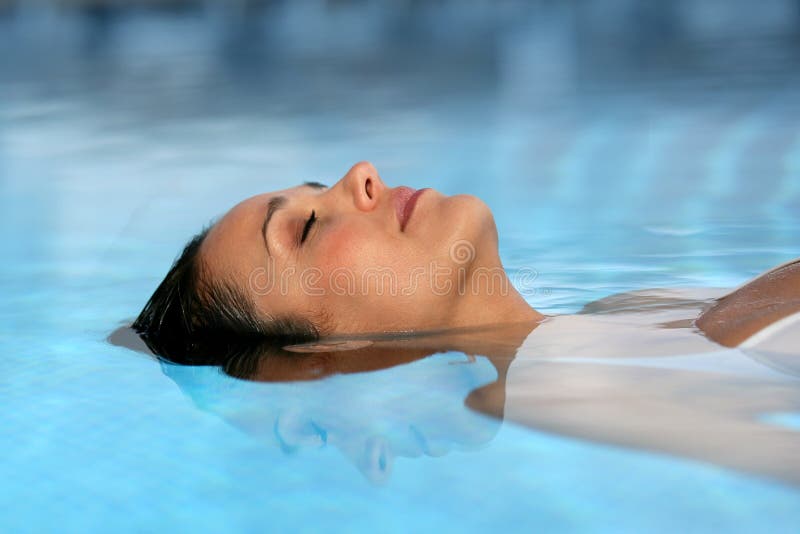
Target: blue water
620,147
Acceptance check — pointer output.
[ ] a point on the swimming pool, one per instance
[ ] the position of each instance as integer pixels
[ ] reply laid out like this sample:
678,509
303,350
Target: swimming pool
615,156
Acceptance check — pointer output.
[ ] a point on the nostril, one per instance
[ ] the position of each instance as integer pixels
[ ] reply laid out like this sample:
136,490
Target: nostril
368,188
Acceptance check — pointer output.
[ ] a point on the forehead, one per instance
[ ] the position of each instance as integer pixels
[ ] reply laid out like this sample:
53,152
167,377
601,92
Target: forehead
234,243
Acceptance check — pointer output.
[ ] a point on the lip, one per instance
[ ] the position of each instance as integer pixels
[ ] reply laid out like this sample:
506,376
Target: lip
405,198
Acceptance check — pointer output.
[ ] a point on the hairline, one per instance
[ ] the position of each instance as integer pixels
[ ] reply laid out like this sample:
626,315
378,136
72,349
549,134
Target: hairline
209,287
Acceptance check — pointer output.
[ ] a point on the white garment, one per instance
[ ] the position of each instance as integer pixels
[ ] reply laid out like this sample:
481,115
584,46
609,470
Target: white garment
654,328
643,377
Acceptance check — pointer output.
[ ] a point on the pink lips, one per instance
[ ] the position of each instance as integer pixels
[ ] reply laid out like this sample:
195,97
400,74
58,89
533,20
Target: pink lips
405,198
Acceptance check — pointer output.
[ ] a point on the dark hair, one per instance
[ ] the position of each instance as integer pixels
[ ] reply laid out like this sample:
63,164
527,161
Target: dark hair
195,320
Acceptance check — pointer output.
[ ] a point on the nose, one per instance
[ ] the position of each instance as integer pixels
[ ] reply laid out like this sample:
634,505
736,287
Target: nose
364,185
376,463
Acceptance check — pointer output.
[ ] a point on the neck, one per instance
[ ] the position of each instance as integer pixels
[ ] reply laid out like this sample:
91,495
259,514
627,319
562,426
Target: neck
500,306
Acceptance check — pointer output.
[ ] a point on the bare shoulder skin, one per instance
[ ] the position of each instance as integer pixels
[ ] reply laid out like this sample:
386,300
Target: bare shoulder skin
728,320
754,306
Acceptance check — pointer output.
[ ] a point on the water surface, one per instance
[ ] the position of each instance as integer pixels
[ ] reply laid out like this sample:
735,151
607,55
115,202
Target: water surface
620,147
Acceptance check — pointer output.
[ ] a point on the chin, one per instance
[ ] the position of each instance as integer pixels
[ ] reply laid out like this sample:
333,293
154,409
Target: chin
472,220
475,206
477,213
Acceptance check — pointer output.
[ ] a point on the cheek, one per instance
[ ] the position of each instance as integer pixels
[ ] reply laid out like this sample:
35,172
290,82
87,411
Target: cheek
369,279
355,248
339,248
352,258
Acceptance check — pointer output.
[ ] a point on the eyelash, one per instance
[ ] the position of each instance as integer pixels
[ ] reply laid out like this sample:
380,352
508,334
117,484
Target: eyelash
307,228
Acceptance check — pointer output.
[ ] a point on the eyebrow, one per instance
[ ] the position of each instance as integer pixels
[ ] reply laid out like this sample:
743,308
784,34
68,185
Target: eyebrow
274,204
315,185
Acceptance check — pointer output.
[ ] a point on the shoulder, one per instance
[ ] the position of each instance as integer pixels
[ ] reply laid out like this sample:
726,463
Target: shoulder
761,302
682,301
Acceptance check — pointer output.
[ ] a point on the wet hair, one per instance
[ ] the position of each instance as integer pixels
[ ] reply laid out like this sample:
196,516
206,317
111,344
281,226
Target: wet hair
194,319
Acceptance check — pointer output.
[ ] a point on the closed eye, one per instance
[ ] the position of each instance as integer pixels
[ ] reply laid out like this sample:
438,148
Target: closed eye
307,228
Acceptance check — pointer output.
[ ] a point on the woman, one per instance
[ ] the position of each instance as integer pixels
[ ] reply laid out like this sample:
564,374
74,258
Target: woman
361,258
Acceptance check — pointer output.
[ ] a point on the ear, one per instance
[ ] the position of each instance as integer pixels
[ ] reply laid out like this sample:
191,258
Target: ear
329,346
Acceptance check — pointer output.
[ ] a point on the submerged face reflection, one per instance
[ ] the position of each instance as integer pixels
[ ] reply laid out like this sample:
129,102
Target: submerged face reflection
391,399
355,257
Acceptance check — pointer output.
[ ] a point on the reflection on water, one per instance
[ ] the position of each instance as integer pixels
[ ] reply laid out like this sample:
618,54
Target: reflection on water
411,403
412,410
625,377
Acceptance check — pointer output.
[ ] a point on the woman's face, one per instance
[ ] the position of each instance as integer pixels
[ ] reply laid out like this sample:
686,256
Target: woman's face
355,257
